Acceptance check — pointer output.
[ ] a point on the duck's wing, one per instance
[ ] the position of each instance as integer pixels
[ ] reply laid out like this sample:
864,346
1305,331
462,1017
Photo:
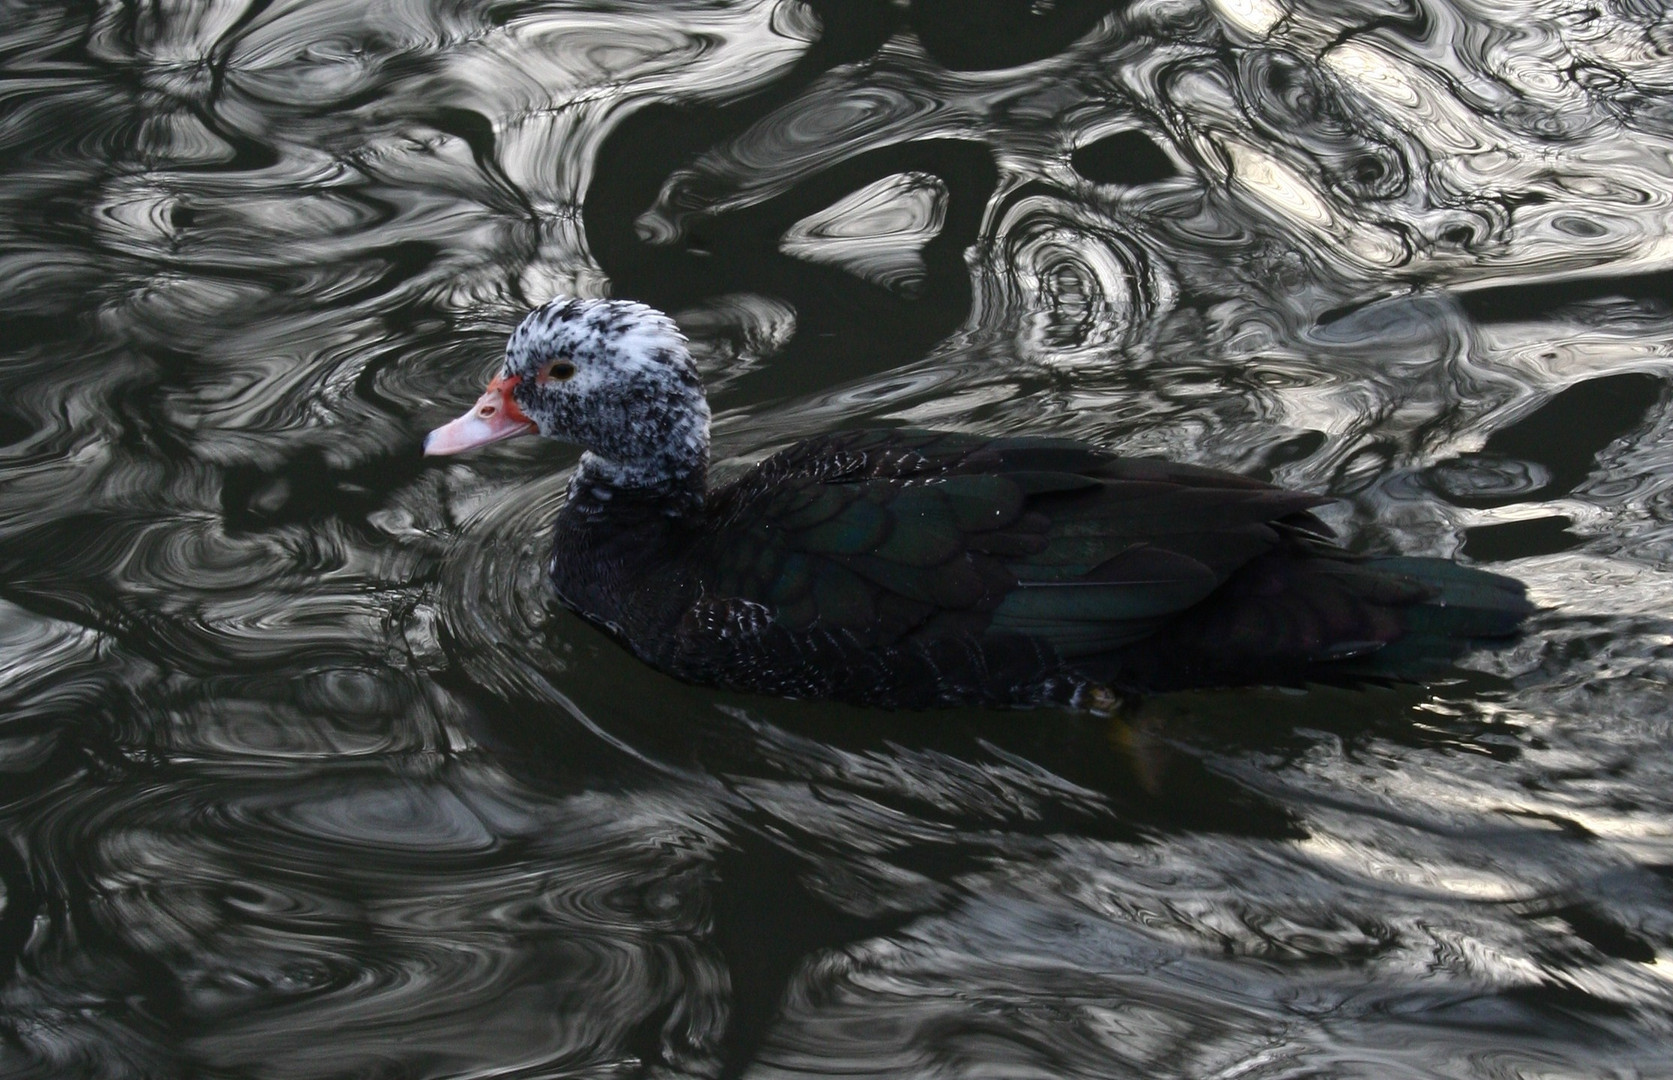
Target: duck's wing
889,536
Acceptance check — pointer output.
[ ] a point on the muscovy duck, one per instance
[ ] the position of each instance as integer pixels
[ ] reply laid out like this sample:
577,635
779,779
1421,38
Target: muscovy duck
909,568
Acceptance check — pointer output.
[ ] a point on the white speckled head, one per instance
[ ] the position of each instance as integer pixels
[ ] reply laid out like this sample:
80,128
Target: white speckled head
615,378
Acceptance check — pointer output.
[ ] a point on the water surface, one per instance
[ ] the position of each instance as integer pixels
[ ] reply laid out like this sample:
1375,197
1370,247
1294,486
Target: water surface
303,774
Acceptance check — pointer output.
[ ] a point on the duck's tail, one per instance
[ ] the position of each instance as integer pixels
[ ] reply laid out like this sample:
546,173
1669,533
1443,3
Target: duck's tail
1467,605
1297,616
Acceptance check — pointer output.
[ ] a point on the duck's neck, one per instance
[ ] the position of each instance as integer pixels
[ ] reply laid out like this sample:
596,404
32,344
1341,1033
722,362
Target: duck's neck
617,527
675,482
653,449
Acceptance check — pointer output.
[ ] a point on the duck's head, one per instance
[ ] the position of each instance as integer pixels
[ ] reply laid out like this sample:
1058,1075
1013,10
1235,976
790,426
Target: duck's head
611,376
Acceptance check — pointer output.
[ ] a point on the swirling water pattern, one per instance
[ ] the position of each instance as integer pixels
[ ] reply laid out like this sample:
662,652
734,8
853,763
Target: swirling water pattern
302,774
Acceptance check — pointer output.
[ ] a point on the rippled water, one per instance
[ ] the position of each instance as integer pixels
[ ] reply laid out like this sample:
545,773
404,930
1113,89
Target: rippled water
302,774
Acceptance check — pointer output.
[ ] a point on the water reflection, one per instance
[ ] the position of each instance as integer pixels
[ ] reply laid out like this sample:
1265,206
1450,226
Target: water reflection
302,774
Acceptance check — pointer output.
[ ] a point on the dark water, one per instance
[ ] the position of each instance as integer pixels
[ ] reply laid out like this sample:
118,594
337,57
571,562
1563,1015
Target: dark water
303,775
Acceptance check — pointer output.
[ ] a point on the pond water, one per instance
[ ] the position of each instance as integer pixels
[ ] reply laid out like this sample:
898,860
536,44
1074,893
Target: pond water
303,773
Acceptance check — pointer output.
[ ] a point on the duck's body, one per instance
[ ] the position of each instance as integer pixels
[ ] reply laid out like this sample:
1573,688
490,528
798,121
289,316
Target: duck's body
911,569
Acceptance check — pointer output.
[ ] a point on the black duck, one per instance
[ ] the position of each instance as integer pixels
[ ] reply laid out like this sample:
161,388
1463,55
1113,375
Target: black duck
911,568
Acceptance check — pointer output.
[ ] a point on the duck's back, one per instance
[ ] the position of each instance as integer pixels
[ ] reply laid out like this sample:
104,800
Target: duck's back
912,568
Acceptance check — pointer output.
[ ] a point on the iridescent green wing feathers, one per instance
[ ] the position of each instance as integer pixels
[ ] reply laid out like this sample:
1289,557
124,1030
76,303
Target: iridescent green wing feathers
888,535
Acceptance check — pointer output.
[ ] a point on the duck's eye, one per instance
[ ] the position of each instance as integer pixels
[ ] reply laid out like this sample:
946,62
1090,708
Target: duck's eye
560,370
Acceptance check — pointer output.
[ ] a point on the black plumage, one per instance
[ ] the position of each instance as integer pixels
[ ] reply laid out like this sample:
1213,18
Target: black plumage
914,568
911,569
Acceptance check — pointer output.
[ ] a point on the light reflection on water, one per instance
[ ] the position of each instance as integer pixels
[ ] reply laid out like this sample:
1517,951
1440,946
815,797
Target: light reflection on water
302,774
